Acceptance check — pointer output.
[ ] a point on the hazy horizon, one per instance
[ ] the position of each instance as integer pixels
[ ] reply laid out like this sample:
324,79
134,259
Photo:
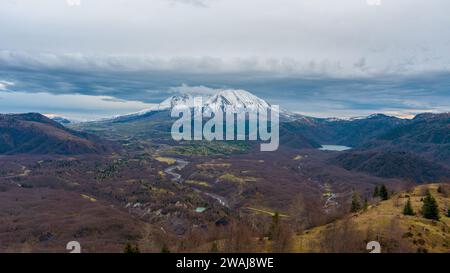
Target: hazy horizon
91,108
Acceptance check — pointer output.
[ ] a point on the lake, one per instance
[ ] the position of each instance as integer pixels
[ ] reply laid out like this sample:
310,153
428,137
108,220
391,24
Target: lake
338,148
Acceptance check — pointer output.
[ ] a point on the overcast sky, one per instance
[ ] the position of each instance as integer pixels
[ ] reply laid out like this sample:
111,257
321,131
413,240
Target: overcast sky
318,57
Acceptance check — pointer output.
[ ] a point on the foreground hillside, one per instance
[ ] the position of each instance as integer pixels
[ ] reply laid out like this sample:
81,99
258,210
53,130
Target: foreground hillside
384,222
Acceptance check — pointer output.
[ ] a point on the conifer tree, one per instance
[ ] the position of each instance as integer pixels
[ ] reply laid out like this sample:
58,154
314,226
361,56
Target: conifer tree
384,194
408,210
430,208
376,192
356,204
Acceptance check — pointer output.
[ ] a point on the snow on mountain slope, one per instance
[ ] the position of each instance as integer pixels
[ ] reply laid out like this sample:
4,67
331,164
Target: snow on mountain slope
184,100
228,100
235,101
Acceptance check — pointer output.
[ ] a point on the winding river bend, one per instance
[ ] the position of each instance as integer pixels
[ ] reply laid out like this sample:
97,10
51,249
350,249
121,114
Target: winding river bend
178,166
176,177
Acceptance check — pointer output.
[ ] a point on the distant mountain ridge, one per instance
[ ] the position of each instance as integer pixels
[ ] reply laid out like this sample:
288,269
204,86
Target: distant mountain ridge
426,134
416,149
352,133
33,133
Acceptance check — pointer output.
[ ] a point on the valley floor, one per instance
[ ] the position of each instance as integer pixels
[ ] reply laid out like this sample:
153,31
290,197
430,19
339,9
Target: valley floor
217,203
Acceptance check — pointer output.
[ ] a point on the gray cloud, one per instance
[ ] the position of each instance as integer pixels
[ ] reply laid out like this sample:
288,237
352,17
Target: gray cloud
198,3
4,85
210,65
342,57
318,96
320,35
193,90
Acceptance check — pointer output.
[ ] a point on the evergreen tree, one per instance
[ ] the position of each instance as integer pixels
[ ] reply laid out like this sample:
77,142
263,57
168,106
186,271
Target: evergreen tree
430,208
366,204
408,210
356,204
376,192
384,194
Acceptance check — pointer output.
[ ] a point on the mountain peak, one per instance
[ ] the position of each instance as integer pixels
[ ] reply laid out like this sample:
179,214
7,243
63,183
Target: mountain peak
235,100
430,116
229,100
238,95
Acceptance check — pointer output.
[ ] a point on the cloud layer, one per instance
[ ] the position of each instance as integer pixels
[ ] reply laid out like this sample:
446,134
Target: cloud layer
316,96
343,57
346,37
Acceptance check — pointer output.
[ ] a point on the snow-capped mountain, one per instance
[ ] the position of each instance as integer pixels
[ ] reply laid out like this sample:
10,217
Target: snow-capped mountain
184,100
227,100
235,101
224,100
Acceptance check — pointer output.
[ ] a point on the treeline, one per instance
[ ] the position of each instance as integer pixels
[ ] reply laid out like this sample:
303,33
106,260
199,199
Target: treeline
430,207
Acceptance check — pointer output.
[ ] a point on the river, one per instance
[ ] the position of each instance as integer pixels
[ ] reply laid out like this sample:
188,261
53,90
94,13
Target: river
176,177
